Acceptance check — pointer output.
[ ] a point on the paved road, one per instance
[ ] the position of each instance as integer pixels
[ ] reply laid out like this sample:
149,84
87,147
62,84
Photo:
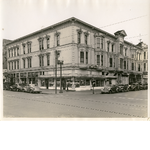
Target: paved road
75,105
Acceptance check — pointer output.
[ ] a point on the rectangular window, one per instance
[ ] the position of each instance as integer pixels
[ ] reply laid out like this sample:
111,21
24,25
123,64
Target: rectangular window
112,47
108,46
14,64
121,49
29,47
144,55
14,52
101,60
40,61
18,64
132,55
125,52
132,66
110,61
48,60
124,64
41,44
98,42
48,45
98,59
24,51
24,63
86,57
102,42
86,39
79,38
139,67
144,66
121,63
29,63
58,40
139,56
81,57
17,51
127,64
114,62
9,65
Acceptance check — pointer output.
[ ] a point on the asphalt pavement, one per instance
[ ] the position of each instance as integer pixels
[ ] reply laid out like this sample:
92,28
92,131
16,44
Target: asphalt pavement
83,104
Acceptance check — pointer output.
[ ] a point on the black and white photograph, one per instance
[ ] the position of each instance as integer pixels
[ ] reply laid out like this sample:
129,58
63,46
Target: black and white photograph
74,74
72,59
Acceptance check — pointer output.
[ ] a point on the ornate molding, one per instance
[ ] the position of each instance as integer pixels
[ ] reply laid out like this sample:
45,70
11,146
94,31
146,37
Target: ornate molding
79,30
57,33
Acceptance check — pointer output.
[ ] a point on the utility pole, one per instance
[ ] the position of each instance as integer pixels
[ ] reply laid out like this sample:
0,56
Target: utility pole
56,59
61,63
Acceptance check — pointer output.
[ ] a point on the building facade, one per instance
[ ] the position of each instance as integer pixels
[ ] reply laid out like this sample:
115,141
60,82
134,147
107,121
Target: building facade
89,53
5,42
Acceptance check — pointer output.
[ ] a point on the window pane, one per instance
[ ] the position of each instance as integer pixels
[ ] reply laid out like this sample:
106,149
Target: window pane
81,57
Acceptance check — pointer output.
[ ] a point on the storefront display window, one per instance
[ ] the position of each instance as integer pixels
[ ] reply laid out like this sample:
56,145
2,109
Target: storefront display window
43,82
51,82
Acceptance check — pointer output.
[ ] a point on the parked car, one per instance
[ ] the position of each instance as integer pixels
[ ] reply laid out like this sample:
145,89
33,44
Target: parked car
125,88
110,89
32,88
13,87
120,88
145,86
6,85
134,87
25,88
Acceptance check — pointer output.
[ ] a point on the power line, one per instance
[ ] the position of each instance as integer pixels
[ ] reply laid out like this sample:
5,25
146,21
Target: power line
123,21
136,36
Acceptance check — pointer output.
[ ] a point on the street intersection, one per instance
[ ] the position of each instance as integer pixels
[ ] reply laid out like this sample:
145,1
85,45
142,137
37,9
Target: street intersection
75,105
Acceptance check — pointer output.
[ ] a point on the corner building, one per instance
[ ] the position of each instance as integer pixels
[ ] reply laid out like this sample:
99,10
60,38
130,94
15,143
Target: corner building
89,53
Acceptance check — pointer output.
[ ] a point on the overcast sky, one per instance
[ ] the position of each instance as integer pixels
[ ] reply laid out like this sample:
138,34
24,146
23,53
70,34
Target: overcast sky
21,17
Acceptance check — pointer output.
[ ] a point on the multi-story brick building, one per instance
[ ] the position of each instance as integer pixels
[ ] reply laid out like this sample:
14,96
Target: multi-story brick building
5,42
87,51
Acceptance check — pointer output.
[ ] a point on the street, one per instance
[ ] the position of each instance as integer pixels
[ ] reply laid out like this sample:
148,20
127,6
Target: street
83,104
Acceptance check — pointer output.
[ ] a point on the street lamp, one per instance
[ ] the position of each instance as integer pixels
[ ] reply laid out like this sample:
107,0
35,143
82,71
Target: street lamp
60,62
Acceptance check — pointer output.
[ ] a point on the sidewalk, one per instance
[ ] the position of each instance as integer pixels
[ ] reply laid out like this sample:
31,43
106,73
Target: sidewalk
52,91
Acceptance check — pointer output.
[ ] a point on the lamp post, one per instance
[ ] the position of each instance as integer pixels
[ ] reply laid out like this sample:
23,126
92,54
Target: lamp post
60,62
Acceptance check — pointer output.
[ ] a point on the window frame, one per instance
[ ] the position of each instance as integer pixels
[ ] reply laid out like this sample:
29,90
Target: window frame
98,42
81,58
98,59
110,62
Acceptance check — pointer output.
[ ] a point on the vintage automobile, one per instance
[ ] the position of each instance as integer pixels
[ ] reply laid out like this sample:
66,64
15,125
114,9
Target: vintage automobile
6,85
25,87
32,88
13,87
134,87
145,86
110,89
120,88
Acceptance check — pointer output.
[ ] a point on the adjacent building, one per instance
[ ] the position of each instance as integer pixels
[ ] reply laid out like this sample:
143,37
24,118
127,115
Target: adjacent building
88,52
5,41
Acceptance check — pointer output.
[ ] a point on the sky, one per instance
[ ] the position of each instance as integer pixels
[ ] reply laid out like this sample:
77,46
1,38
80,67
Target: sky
22,17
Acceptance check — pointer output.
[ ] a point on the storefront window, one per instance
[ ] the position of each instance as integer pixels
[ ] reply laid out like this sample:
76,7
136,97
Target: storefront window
82,82
87,82
43,82
97,83
51,82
